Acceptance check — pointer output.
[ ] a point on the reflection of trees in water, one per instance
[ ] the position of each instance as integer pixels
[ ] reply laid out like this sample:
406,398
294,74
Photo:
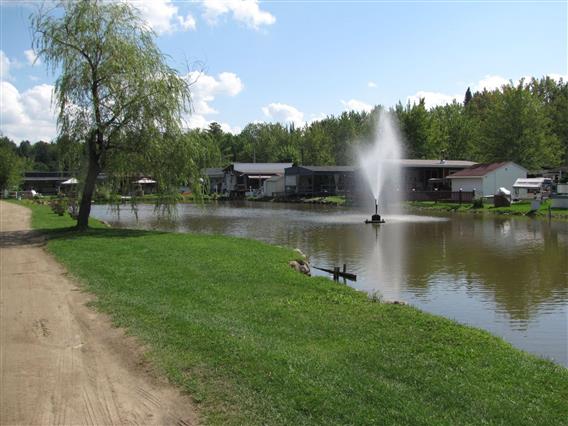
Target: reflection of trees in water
522,264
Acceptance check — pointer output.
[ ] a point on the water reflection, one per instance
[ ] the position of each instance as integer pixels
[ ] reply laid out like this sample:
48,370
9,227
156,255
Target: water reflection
506,275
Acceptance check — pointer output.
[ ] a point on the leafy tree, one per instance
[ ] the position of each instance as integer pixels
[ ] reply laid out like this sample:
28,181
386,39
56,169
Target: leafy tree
45,156
414,121
518,129
451,134
11,166
115,94
554,97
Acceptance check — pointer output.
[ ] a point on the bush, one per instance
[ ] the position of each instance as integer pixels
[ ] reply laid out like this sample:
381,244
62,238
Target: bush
477,203
59,206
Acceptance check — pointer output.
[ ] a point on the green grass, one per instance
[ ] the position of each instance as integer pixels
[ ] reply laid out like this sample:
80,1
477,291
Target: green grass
516,209
254,342
337,200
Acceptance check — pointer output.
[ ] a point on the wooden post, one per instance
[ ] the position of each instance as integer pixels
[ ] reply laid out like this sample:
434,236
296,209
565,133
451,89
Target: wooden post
344,268
336,273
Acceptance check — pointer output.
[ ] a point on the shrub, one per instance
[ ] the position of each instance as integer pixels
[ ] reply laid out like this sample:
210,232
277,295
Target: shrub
477,203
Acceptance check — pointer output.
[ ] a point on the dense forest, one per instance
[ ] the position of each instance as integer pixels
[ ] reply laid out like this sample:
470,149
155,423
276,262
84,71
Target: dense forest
526,123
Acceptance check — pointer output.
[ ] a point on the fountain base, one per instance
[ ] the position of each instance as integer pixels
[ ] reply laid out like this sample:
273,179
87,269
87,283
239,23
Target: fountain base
376,218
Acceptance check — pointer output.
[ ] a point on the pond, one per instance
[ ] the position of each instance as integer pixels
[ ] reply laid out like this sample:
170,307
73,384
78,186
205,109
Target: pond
503,274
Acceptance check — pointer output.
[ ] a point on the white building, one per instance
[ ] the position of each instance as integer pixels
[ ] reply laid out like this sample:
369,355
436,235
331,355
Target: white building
486,179
530,188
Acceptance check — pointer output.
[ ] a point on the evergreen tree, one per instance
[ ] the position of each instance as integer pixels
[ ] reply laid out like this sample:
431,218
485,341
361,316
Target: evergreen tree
468,97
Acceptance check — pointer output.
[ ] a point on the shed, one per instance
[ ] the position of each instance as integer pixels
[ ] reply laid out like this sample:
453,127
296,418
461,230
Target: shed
485,179
529,188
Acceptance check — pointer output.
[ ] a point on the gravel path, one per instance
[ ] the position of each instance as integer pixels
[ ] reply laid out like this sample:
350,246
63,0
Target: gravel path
61,362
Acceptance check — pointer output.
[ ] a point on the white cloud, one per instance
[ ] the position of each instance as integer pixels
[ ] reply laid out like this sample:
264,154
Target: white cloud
196,121
283,113
5,64
372,84
31,57
432,99
28,115
490,82
187,23
229,129
246,11
355,105
316,117
163,16
204,89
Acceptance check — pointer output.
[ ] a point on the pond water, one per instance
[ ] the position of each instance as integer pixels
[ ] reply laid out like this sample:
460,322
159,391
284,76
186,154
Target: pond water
506,275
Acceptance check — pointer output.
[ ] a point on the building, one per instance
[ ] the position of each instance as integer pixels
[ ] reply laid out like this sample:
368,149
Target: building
560,199
242,179
214,179
429,175
485,179
530,188
273,186
319,180
46,183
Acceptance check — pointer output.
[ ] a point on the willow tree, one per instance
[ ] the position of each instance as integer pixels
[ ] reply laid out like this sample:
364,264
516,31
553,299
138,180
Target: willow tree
115,94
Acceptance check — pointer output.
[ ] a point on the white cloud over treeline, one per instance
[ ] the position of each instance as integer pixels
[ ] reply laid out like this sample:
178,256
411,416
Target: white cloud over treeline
489,82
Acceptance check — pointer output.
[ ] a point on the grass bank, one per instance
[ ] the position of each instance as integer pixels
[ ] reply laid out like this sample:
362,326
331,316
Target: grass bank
516,209
256,343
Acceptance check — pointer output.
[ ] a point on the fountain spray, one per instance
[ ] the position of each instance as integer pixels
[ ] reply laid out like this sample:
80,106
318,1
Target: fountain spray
381,166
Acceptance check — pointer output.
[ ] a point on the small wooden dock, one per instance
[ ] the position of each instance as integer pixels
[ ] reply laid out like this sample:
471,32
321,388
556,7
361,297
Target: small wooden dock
338,272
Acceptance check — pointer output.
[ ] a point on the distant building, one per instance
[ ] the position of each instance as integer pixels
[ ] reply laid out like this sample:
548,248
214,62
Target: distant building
242,178
486,178
214,179
319,180
46,183
273,186
529,188
429,175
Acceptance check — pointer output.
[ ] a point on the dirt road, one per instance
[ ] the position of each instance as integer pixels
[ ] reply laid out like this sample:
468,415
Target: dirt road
61,362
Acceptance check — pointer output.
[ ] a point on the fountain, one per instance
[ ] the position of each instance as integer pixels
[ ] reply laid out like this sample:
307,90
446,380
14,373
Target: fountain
380,164
376,218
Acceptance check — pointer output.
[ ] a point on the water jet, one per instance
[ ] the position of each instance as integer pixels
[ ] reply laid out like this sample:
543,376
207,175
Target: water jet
380,163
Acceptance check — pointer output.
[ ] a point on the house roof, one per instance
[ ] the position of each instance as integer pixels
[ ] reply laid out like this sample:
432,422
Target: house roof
214,172
478,170
330,169
446,164
530,183
259,168
36,176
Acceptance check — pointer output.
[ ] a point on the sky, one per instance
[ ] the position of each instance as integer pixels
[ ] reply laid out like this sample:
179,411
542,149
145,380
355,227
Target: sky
300,61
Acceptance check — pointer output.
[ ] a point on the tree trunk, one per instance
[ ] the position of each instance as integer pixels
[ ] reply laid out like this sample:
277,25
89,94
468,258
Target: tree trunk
87,196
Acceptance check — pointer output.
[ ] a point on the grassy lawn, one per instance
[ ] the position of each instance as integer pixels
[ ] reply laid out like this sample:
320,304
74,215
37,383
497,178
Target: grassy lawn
338,200
254,342
517,209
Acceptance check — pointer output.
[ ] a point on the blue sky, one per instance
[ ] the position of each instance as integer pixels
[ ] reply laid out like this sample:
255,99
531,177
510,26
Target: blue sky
302,60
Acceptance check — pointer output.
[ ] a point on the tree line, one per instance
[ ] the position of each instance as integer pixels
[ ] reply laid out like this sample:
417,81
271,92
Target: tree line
526,123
